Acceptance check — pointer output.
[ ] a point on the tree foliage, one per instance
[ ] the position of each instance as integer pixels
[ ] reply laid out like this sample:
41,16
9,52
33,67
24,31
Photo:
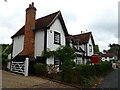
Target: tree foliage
65,53
114,48
62,53
96,49
6,49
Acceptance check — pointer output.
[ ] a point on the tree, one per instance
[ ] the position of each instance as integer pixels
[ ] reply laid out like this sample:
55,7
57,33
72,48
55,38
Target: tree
96,49
114,48
63,53
6,49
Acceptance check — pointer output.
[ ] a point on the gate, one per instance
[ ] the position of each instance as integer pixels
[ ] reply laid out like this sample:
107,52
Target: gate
20,67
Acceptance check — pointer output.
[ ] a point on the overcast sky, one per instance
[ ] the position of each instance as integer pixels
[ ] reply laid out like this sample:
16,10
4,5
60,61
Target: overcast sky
98,16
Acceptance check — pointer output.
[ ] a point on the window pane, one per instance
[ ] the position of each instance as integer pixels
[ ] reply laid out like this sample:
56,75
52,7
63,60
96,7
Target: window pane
56,61
90,48
79,60
56,38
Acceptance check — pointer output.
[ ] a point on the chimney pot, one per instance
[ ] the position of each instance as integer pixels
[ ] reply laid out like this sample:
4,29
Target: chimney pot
29,5
33,4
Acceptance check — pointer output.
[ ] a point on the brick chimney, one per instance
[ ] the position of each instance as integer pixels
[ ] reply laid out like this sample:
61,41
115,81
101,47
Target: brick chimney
29,34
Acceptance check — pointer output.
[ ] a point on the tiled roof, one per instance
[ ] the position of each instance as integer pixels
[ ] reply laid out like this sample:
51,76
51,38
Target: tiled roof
20,32
84,38
108,55
81,38
45,22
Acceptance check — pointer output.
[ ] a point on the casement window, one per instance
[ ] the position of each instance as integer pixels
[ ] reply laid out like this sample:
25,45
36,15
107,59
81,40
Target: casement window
56,61
79,60
90,48
56,38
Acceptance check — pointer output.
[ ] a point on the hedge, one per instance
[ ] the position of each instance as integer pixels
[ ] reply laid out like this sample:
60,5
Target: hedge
103,68
40,69
84,74
79,74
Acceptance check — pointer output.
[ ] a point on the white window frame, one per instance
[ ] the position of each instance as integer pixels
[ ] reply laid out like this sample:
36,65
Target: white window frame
57,38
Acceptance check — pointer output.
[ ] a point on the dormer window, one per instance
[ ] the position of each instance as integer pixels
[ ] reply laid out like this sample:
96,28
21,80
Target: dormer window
56,38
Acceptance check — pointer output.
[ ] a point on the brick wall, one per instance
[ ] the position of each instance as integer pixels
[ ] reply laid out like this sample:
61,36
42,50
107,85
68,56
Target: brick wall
29,35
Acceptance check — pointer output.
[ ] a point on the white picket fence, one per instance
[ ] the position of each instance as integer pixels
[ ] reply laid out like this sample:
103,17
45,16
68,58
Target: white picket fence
20,67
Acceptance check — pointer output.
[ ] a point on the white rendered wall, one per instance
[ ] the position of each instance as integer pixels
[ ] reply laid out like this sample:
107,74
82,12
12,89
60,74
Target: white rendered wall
50,61
39,42
82,46
18,44
50,35
50,38
88,48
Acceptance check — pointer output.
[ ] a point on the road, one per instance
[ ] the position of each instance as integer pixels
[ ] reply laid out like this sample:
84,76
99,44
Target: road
12,80
0,79
111,80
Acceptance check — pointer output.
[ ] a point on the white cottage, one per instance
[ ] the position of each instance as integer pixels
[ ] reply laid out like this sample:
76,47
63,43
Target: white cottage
38,35
84,46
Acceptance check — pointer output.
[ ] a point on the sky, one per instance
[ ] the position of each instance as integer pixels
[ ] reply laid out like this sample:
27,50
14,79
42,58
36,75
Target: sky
97,16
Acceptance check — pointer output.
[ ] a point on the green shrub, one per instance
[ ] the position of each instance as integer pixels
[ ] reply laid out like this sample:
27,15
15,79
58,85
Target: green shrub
103,68
86,70
84,75
67,67
89,62
40,69
57,76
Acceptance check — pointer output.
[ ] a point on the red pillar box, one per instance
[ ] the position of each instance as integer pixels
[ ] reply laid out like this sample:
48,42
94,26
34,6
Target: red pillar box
95,59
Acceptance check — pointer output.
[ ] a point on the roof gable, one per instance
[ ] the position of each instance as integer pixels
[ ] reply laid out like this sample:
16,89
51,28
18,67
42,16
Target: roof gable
84,38
45,22
81,38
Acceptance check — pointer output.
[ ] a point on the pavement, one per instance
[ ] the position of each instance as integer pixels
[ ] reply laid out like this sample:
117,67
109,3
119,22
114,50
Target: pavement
12,80
111,80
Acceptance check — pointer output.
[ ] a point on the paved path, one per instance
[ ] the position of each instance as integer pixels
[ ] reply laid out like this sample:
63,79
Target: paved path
111,80
12,80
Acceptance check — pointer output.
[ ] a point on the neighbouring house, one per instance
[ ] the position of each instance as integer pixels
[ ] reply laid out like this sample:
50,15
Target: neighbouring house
83,45
108,57
38,35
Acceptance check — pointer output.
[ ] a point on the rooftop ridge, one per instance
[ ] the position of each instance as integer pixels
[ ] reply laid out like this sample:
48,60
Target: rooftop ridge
48,15
82,34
